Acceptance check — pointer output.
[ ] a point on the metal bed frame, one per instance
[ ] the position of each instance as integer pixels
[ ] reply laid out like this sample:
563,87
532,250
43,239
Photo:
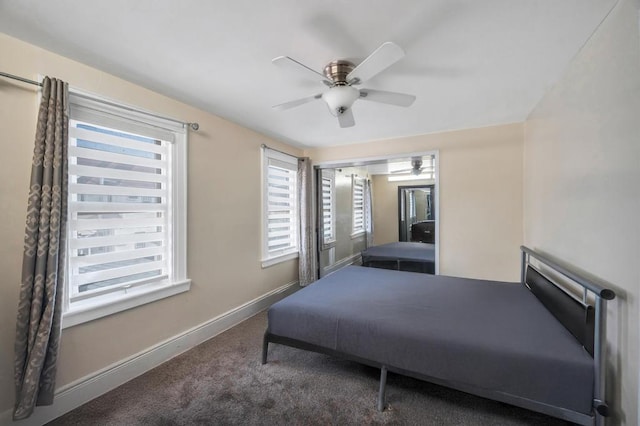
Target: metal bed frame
601,295
600,408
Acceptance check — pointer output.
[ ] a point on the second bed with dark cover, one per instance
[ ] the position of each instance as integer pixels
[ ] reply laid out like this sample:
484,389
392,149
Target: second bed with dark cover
470,334
401,256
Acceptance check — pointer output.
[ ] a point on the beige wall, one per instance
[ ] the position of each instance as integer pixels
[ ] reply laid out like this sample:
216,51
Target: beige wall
223,219
480,194
385,207
582,183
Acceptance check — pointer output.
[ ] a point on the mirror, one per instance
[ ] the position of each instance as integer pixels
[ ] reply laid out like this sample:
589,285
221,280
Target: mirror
367,191
342,216
416,213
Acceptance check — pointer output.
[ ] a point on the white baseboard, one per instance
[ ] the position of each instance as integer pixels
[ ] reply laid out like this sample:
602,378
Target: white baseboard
92,386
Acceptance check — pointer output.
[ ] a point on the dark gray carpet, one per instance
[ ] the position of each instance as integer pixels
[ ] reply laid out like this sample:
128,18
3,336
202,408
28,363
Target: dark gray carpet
222,382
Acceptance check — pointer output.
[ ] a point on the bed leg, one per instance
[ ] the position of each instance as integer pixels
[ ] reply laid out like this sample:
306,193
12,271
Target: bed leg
265,347
383,385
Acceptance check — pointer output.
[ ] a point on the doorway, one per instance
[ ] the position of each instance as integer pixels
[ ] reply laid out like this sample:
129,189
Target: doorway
416,214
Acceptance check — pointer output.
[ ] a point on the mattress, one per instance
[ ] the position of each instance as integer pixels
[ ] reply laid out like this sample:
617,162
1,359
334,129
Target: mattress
485,334
402,256
415,252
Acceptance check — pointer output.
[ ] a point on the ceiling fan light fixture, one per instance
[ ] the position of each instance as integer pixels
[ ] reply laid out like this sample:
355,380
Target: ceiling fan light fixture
340,98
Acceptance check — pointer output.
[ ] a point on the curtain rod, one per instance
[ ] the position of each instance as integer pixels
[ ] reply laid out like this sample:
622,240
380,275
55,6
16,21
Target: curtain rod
263,146
22,79
194,126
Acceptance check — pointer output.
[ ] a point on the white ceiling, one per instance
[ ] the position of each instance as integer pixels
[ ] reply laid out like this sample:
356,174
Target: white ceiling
470,63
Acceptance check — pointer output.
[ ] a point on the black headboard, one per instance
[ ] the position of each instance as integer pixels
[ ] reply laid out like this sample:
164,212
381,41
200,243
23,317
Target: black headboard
576,317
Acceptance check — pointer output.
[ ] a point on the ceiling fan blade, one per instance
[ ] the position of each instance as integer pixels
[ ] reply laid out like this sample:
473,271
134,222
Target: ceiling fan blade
297,102
422,169
346,119
392,98
300,68
382,58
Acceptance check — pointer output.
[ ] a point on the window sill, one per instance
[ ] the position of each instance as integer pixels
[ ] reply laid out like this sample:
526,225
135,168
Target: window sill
328,244
89,310
278,259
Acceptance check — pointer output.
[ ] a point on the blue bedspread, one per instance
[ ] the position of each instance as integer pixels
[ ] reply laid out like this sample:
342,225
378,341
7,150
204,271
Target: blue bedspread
487,334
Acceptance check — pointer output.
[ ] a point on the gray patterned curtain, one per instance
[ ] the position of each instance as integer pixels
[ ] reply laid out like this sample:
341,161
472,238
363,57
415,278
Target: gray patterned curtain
40,307
307,259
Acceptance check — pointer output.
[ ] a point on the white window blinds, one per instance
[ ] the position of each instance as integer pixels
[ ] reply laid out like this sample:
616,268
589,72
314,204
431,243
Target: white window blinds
328,209
357,185
281,212
119,197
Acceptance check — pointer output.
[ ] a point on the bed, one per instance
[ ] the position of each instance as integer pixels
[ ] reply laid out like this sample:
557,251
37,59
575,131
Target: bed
529,344
401,256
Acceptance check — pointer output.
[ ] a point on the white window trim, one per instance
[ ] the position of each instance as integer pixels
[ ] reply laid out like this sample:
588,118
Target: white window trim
268,259
274,260
357,233
88,310
127,298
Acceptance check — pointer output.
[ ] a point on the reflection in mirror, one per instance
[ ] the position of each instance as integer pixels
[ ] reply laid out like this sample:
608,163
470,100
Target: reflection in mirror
416,213
342,216
339,209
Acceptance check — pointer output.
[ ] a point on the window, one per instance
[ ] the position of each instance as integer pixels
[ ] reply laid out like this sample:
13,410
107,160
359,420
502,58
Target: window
126,209
357,188
280,207
328,208
412,207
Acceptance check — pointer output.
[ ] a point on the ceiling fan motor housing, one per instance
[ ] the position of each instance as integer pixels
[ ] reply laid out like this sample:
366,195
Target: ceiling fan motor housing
338,70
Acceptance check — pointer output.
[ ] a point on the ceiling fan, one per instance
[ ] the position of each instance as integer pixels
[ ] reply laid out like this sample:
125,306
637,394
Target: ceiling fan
340,76
416,167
